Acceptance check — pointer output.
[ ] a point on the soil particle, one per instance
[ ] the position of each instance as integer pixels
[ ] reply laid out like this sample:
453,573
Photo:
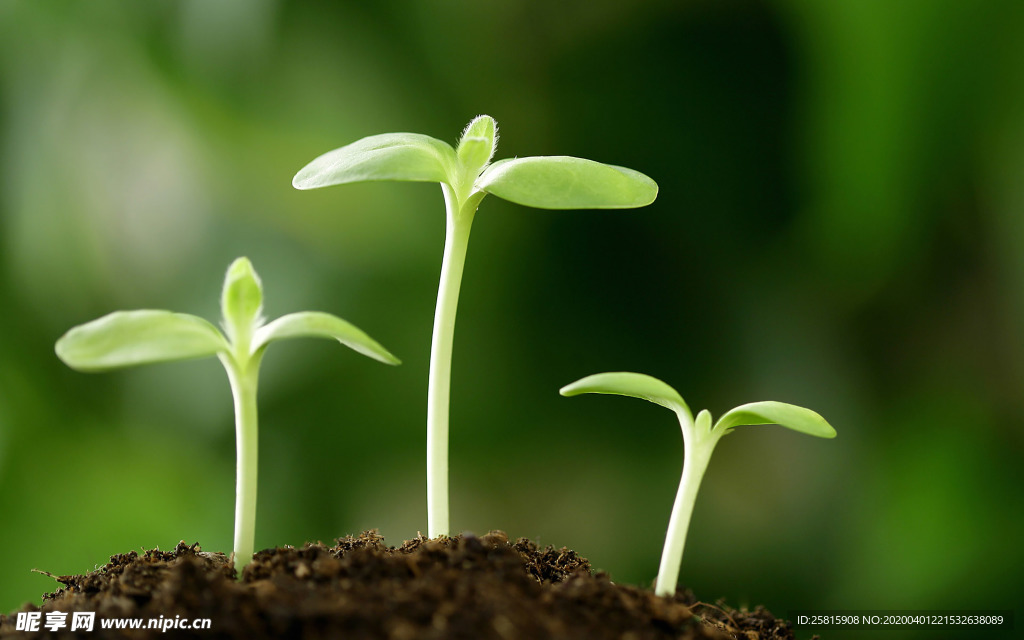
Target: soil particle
466,587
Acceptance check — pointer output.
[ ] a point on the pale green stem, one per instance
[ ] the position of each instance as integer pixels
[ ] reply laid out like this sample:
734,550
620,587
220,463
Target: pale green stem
243,379
456,242
699,442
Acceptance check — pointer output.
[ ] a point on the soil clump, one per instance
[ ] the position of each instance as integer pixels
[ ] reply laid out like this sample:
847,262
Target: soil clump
467,587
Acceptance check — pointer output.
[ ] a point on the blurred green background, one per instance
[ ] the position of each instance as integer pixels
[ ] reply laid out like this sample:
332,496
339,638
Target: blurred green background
840,225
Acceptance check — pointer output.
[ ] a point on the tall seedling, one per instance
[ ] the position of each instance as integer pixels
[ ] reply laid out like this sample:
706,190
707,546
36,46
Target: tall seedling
467,174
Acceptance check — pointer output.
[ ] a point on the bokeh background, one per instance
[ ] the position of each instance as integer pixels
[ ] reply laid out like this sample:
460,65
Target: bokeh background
840,225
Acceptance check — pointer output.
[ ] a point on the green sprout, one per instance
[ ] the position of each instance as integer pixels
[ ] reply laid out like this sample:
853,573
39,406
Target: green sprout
699,440
467,174
129,338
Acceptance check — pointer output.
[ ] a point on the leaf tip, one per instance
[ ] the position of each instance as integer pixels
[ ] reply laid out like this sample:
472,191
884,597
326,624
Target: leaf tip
60,348
377,352
584,385
818,426
482,126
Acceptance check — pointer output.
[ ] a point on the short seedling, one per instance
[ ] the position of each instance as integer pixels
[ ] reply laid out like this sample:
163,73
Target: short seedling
467,175
699,440
128,338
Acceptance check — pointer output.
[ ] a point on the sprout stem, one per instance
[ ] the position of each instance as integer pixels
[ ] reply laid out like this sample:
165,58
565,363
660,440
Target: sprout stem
698,443
459,223
243,379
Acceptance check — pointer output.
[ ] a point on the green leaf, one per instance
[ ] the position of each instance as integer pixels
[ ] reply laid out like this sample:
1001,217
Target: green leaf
316,324
478,143
128,338
241,299
635,385
563,182
388,156
780,413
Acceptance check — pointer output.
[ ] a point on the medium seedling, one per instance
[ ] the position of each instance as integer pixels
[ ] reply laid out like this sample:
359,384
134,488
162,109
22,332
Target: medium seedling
467,174
699,440
129,338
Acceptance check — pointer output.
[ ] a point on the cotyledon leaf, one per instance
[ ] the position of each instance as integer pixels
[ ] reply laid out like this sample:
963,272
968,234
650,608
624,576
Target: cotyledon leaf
389,156
635,385
780,413
565,182
316,324
128,338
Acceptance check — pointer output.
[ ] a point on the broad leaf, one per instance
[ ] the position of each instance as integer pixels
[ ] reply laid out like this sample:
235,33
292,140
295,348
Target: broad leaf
780,413
635,385
316,324
564,182
128,338
388,156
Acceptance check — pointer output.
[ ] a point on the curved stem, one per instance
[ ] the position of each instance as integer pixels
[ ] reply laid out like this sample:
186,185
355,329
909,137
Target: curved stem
697,454
243,379
439,383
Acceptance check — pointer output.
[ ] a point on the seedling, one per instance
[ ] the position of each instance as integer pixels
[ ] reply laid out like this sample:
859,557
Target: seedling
467,175
129,338
699,440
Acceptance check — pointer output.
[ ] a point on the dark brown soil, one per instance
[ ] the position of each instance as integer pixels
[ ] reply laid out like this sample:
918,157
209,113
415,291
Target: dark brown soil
451,588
